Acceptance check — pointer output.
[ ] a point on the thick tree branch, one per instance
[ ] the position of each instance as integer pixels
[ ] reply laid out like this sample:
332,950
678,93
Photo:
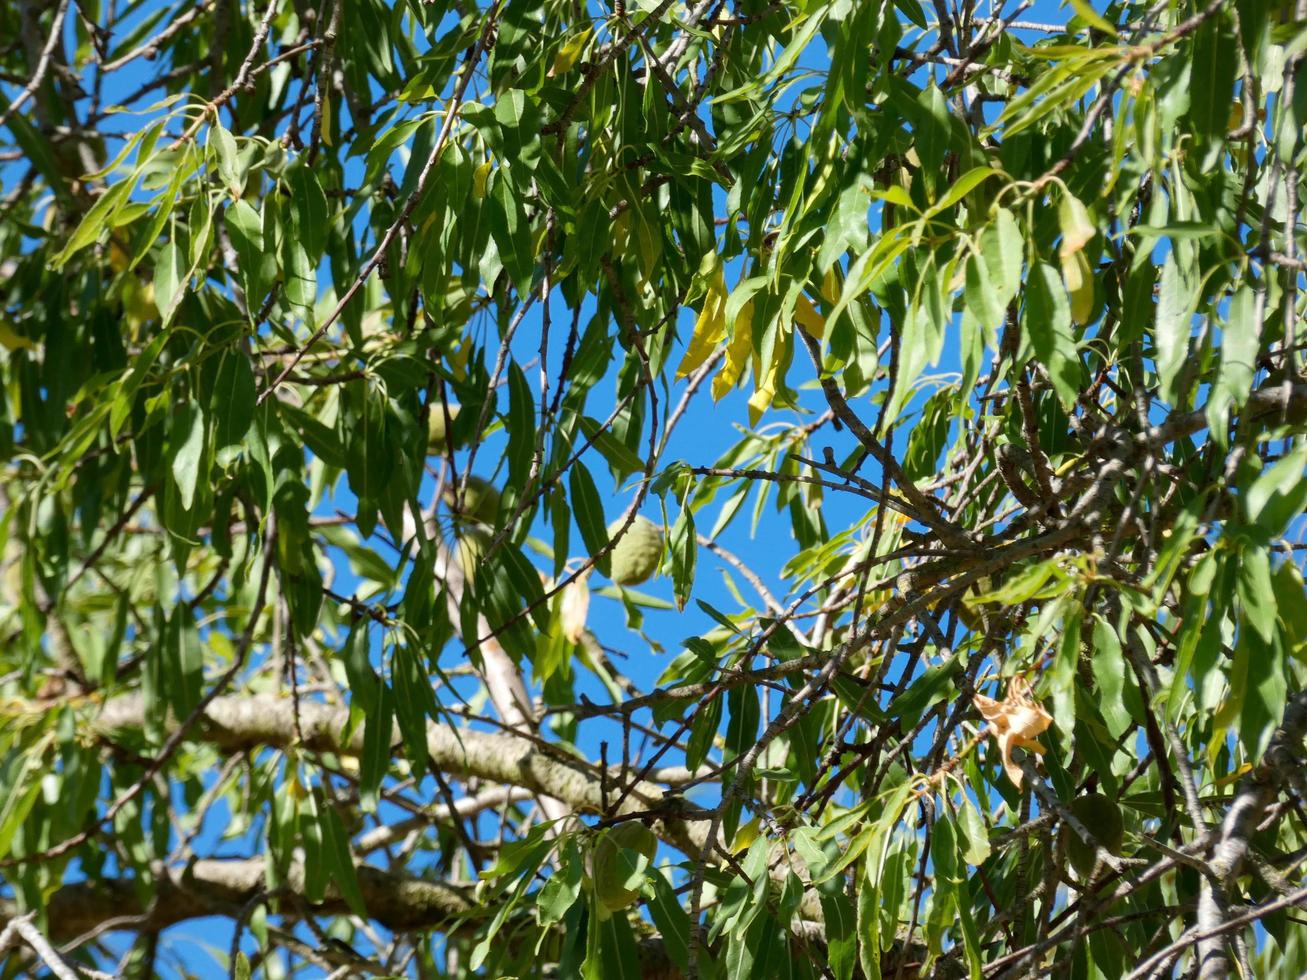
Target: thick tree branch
1256,792
241,723
222,887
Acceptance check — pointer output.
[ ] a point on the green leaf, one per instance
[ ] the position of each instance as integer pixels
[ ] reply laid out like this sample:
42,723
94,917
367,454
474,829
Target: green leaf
1046,319
369,454
922,693
684,550
563,888
1279,494
411,700
186,663
525,580
1178,230
1001,247
1174,325
1062,676
97,218
877,834
1240,343
1211,91
378,732
186,452
245,228
617,956
618,455
873,884
309,825
22,774
308,212
1265,692
125,400
1289,590
1029,582
932,123
1256,593
325,443
922,338
222,147
671,919
512,234
171,276
977,848
841,935
232,401
1091,17
847,228
164,203
589,512
299,275
950,891
521,427
703,730
339,860
982,298
961,187
1058,89
1109,675
913,11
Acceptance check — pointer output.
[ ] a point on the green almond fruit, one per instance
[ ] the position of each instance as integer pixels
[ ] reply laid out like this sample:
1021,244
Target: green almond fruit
611,871
471,547
639,552
480,501
437,436
1102,818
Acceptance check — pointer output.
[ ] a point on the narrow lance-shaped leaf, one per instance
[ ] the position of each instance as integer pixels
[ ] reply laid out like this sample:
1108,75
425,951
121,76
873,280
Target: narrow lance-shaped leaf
1046,319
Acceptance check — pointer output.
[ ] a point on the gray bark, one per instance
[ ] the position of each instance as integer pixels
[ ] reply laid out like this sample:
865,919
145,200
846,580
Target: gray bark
1255,793
237,723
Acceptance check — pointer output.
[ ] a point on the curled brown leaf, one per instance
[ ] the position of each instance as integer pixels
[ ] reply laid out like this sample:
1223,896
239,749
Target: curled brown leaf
1016,721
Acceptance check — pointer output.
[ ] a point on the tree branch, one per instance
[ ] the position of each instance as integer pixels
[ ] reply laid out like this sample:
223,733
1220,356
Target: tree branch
1256,792
220,887
242,723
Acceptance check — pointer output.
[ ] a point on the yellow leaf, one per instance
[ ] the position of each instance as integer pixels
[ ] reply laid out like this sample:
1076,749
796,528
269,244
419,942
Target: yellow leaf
118,259
12,340
1077,227
479,178
138,301
1235,776
457,360
737,354
762,396
326,118
709,328
621,233
1080,285
569,54
831,286
1236,117
745,835
807,317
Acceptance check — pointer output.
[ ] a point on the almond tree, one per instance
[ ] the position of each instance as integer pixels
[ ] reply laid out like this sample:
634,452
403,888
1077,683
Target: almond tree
386,388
